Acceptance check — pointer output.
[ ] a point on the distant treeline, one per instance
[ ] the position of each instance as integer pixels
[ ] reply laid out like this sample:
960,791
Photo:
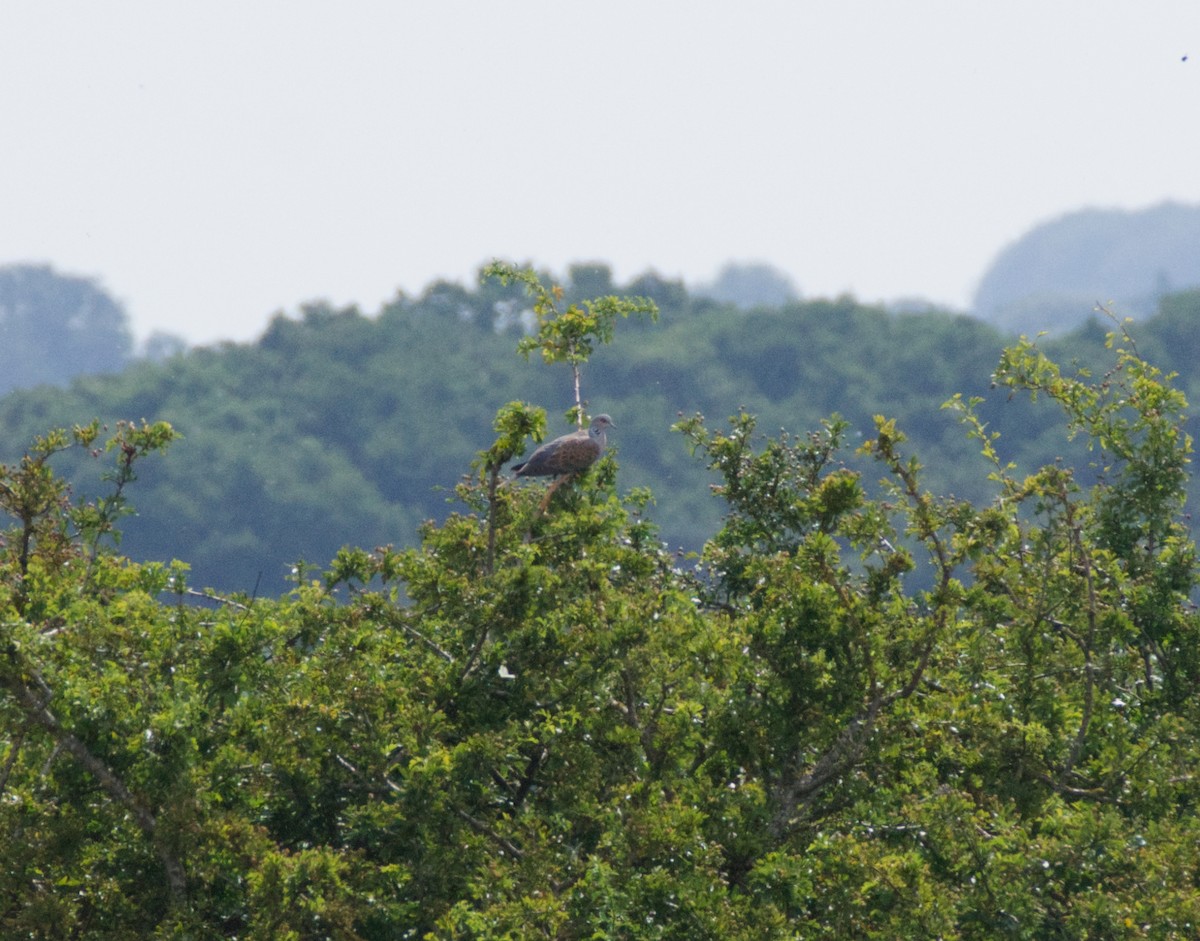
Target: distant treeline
341,428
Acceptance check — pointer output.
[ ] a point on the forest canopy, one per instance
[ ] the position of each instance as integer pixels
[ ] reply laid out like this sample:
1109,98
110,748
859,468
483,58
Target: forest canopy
866,708
341,428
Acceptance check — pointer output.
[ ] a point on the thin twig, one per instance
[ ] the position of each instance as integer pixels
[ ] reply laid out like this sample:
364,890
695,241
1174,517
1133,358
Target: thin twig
209,595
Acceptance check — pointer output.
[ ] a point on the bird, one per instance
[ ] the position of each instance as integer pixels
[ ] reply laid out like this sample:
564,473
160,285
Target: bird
568,454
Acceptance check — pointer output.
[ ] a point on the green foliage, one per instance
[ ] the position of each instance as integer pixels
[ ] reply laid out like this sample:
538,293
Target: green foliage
515,422
341,428
866,710
569,335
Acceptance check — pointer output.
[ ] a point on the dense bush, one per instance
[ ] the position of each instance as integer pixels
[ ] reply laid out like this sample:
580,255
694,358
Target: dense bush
538,722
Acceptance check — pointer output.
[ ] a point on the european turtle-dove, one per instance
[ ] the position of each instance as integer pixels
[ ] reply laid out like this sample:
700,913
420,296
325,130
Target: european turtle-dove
568,454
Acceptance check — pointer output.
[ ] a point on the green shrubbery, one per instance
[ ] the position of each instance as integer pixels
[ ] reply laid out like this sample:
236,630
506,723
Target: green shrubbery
864,711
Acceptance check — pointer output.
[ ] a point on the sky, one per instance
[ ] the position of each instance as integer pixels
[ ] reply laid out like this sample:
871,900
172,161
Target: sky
213,163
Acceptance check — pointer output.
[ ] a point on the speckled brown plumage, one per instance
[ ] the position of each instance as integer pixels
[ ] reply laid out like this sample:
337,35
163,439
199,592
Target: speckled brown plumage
568,454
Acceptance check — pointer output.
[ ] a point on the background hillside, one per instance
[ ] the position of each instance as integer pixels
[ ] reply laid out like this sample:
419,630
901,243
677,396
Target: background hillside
1054,274
54,327
338,427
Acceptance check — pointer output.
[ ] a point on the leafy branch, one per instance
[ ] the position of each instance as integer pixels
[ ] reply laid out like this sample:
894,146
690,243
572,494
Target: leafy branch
568,334
50,535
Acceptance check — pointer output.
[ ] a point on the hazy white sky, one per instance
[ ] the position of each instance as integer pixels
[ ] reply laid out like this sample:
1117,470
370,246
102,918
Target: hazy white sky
214,162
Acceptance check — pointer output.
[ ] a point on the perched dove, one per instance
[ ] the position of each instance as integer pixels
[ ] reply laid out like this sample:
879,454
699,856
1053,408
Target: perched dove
569,454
